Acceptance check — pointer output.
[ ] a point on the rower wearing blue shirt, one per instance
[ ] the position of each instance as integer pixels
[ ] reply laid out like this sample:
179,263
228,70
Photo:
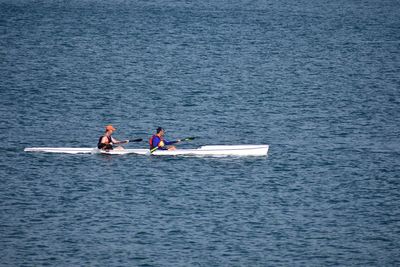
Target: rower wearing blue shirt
158,140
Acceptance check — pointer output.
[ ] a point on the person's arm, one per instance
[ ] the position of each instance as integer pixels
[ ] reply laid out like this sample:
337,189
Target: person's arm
115,141
171,142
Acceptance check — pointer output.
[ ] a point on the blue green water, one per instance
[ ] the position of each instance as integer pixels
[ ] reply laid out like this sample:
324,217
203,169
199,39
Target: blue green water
316,80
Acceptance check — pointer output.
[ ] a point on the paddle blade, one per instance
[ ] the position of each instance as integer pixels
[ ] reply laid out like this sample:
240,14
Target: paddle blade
188,139
136,140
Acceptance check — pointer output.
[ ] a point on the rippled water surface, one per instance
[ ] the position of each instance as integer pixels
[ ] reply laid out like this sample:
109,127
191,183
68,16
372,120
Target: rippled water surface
316,80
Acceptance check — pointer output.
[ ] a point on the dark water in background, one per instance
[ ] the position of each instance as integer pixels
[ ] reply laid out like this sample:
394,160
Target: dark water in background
317,80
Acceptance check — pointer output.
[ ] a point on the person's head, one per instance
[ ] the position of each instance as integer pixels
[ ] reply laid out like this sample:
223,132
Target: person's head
160,131
110,129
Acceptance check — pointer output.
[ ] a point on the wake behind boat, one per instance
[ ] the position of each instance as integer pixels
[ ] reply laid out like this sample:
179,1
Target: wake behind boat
210,150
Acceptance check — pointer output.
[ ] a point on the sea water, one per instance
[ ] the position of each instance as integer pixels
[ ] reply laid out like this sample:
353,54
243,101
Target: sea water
316,80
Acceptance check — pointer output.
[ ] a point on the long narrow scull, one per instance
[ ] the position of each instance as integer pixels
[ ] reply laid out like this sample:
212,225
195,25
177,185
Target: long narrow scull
212,150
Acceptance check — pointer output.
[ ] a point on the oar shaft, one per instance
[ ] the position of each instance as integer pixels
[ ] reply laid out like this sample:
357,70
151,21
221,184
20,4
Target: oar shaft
154,149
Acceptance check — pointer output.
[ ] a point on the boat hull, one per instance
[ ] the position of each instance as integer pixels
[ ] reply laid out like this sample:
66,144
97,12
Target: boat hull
213,150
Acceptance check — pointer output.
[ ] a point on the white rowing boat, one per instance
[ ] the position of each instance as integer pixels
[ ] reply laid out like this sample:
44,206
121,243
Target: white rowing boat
212,150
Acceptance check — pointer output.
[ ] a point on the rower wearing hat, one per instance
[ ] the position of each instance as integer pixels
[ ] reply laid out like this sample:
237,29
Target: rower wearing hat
158,141
106,141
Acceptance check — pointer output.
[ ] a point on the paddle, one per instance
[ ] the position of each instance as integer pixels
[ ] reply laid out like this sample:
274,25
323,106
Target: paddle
136,140
188,139
184,139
